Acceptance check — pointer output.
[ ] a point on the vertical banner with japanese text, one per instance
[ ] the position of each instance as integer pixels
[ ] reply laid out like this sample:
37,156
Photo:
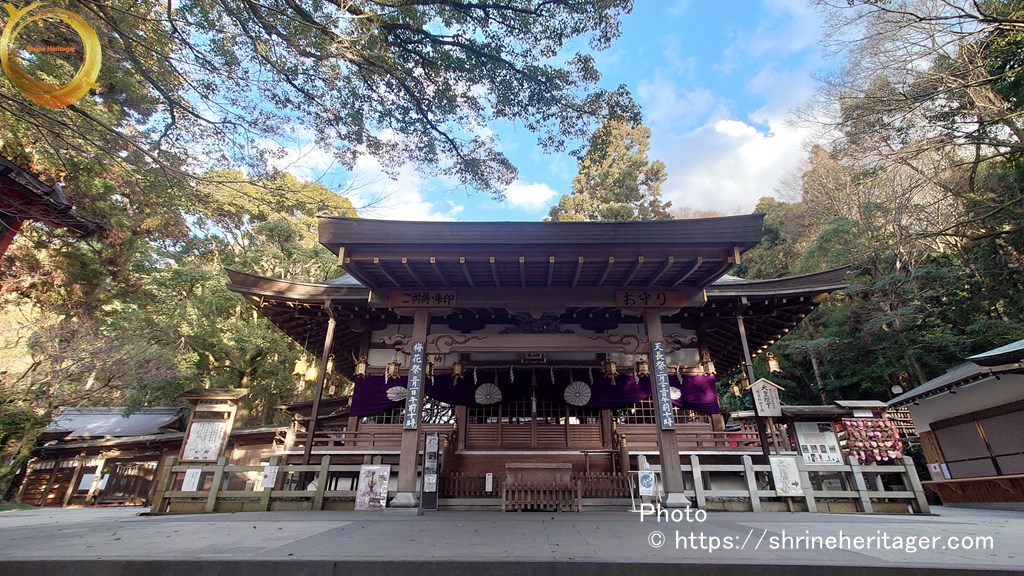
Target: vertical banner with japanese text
415,386
662,388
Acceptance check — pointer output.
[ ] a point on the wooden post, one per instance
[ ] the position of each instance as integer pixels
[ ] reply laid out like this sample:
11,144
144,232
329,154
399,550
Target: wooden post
8,230
860,486
321,482
49,483
321,376
163,484
751,477
910,478
698,481
462,420
407,460
749,365
805,479
73,484
218,476
265,496
97,479
668,441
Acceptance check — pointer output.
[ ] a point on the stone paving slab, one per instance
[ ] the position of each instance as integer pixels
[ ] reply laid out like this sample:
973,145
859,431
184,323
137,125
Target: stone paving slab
118,541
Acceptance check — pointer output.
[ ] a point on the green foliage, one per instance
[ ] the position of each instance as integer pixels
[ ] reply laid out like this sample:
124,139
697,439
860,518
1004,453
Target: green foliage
219,82
616,181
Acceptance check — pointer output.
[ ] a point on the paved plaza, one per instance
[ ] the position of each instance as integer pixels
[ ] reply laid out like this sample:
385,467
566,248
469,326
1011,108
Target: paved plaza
113,541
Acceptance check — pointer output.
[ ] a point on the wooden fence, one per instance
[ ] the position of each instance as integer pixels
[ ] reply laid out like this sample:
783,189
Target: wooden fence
738,486
551,496
851,487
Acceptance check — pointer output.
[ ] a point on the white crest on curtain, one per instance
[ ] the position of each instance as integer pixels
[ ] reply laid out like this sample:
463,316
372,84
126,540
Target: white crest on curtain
488,394
577,393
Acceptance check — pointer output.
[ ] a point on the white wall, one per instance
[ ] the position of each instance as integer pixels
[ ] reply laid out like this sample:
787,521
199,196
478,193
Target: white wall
984,394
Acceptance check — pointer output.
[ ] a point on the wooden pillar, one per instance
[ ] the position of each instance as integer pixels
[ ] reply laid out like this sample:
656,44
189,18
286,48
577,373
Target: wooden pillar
49,483
8,230
462,420
97,480
407,461
73,484
668,443
717,422
748,364
321,376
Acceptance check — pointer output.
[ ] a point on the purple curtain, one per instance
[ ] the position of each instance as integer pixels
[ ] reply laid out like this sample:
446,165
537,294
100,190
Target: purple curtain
371,395
699,393
576,386
591,388
513,385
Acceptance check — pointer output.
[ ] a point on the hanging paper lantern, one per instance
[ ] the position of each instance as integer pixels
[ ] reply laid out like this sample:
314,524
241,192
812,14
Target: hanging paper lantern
577,394
488,394
397,393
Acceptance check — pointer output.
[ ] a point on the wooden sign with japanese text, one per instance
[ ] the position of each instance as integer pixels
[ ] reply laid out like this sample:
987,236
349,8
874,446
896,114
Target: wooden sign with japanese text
766,398
662,388
417,362
423,298
651,298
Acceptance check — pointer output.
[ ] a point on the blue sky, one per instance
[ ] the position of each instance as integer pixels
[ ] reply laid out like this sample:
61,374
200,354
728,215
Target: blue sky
717,82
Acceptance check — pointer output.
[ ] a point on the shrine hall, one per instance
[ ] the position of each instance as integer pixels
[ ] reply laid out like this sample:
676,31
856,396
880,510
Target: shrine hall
590,348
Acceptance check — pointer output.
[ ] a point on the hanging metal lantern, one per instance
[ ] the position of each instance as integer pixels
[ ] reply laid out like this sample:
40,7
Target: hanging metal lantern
744,380
458,369
611,369
330,364
773,363
428,370
362,366
735,390
394,368
300,367
311,373
707,363
643,367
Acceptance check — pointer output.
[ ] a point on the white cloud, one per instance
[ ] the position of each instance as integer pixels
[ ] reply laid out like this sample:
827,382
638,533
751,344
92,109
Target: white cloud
530,196
402,197
305,162
667,105
728,165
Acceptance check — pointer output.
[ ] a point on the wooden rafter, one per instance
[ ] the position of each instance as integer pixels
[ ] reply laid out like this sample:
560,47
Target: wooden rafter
607,269
494,271
579,270
465,270
437,270
632,273
665,268
415,276
696,265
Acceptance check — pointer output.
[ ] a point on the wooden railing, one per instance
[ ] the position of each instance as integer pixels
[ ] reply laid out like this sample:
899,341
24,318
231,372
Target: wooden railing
835,487
459,485
297,487
689,437
861,487
367,437
552,496
602,485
